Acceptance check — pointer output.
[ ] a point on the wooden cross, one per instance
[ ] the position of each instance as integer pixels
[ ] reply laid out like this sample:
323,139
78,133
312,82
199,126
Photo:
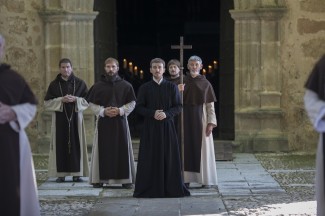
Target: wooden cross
181,48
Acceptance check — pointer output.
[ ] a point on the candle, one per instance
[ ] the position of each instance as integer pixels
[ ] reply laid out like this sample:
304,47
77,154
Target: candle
141,74
209,69
136,70
125,64
215,65
130,67
204,72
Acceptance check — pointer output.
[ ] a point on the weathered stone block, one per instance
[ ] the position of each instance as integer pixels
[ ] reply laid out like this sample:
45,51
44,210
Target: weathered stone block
308,26
317,6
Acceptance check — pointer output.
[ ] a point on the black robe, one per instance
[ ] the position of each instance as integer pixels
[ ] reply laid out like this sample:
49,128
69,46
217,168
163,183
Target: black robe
316,83
13,91
159,165
67,159
112,132
197,91
177,118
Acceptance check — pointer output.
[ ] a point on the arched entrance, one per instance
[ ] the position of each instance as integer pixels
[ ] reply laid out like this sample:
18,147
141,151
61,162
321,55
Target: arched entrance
137,31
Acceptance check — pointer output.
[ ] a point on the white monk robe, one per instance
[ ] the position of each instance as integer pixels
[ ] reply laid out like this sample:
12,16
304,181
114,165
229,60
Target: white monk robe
94,166
29,204
208,170
56,105
315,108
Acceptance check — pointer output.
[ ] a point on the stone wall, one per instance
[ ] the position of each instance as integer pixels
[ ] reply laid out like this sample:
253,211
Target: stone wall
38,34
302,44
277,43
22,28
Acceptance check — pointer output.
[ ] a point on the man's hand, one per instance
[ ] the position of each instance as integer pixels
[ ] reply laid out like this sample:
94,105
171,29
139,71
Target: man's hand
112,111
160,115
69,99
7,114
181,87
209,129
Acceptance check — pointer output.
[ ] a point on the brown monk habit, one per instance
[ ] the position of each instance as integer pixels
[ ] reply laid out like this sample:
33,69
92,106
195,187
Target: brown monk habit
112,132
13,91
67,157
197,91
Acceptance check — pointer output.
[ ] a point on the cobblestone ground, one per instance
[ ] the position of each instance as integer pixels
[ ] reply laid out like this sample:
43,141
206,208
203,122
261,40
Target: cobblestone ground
295,173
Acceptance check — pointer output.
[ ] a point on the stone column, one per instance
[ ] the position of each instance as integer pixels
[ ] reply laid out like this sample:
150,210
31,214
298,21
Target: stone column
68,34
258,112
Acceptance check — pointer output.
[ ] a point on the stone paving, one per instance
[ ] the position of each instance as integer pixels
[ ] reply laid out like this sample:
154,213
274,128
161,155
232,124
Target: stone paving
245,188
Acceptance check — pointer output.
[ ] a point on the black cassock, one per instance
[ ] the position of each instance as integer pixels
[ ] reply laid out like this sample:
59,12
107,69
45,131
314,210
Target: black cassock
159,163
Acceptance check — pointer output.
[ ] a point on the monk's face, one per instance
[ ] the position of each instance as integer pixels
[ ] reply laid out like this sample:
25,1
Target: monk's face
111,68
65,70
194,66
157,70
173,70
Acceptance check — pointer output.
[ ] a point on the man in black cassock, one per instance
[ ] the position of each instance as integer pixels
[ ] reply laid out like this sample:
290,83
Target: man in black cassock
159,164
17,109
68,149
112,99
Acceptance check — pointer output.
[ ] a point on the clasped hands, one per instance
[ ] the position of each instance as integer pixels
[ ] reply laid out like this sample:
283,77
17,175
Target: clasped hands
112,111
7,114
69,99
160,115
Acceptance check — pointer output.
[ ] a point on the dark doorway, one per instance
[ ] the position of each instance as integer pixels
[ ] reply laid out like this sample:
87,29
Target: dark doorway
145,29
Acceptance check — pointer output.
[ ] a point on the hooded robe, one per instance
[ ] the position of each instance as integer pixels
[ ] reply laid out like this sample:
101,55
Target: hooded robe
198,108
112,154
68,148
18,184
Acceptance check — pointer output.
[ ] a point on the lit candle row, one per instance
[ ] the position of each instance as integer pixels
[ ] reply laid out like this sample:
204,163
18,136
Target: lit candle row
212,67
132,69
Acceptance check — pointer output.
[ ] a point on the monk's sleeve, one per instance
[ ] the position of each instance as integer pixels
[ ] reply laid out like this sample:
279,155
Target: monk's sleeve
25,114
54,105
127,108
315,108
81,104
97,110
211,115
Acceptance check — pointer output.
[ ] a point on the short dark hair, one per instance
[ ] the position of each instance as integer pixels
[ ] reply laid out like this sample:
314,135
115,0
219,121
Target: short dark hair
157,60
65,60
174,62
110,59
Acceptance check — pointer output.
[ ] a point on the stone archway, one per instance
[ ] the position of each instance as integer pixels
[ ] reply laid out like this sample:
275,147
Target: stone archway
107,43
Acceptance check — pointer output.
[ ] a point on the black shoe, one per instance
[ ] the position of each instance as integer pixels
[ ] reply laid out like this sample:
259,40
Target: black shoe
60,179
77,179
187,185
97,185
127,186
